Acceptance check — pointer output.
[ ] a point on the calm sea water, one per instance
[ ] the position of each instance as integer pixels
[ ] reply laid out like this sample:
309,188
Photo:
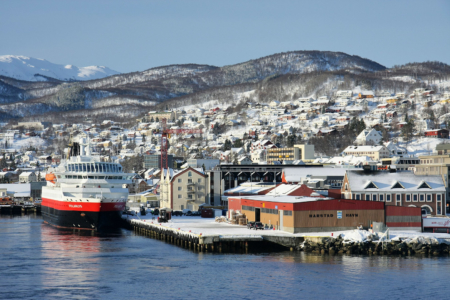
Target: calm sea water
40,262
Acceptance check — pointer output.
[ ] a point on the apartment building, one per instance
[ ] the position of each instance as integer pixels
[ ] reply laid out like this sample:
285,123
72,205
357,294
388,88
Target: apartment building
374,152
183,190
298,152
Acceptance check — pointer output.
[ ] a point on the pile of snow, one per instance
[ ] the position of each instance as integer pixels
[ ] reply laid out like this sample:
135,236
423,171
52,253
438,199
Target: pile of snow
25,68
359,236
422,240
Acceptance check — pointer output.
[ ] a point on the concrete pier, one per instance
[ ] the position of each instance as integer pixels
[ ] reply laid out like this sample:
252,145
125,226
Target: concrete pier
214,242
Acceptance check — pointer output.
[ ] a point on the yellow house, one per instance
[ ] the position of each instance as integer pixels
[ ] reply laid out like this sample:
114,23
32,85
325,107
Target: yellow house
145,198
391,100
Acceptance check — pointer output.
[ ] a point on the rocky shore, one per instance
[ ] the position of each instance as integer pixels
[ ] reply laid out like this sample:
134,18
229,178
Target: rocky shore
405,247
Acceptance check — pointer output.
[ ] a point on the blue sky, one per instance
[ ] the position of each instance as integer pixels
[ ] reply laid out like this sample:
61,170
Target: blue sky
136,35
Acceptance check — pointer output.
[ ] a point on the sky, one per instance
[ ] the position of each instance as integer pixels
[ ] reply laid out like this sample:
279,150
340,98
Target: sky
134,35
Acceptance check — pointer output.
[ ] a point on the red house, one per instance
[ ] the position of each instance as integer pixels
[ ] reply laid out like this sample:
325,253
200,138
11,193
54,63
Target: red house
437,133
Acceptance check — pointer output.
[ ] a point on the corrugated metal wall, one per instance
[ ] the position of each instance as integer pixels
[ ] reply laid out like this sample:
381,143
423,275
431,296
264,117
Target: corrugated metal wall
398,216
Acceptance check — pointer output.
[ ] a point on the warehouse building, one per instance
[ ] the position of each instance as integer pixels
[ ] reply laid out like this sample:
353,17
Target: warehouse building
297,214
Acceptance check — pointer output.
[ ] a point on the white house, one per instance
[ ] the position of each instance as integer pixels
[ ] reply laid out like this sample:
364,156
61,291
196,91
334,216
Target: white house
367,137
344,94
274,103
27,177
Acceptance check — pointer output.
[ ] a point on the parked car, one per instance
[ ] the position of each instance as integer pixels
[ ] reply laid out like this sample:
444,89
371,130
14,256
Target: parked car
250,225
259,225
177,213
193,213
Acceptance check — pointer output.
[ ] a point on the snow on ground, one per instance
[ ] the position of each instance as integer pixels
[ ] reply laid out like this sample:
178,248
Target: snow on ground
421,146
208,105
24,68
207,226
34,141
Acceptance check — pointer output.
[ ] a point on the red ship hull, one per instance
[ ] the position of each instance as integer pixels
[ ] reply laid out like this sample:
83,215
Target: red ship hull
82,215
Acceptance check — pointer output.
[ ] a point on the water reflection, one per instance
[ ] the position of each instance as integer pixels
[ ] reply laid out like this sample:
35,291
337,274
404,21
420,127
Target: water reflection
45,263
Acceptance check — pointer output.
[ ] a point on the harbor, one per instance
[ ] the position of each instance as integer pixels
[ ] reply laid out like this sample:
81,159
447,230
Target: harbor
17,209
206,235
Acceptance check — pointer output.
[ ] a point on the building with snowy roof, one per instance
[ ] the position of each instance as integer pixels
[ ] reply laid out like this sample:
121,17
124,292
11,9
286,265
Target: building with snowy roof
296,214
185,189
369,137
397,188
374,152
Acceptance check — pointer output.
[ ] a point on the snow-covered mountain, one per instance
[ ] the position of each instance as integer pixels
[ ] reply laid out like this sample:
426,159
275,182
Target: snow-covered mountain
37,69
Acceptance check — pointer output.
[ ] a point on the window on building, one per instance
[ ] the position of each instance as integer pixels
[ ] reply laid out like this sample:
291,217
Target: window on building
415,198
381,197
388,197
438,197
190,174
287,212
179,188
421,197
358,197
429,198
399,197
374,197
179,180
189,180
367,197
408,198
199,180
179,196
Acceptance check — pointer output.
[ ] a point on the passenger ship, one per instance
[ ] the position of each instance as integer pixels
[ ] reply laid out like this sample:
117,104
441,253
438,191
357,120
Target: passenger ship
85,193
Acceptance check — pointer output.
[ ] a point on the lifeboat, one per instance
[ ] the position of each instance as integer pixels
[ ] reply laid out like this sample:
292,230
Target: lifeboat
50,177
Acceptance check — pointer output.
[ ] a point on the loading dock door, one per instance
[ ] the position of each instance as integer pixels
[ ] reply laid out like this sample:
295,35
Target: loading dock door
257,215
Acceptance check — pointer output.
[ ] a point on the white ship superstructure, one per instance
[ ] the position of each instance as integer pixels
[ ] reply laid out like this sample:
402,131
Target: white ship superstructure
84,192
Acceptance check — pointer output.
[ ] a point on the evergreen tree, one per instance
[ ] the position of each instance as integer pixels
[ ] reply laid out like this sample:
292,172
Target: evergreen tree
238,143
291,140
408,130
227,145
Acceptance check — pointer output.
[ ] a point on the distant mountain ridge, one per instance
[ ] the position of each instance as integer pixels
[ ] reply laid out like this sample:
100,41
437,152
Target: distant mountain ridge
282,76
36,69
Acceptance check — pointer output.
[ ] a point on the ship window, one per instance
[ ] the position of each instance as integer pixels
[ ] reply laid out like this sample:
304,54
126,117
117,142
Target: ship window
101,177
76,168
88,167
84,167
84,177
79,176
68,176
120,169
91,177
